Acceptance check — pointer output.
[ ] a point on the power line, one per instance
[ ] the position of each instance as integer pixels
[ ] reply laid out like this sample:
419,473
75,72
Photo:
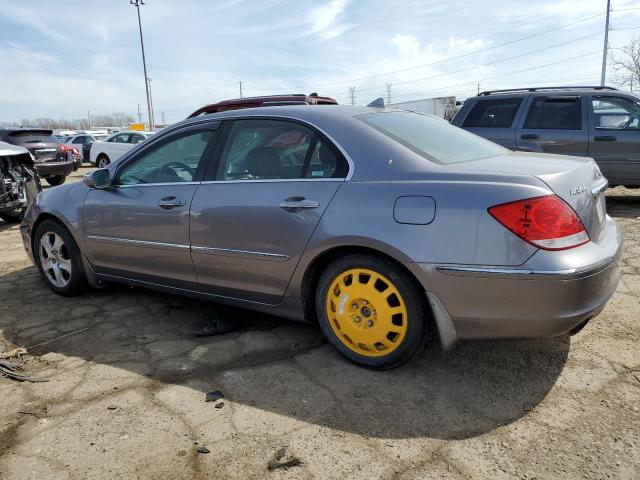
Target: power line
507,74
475,52
487,64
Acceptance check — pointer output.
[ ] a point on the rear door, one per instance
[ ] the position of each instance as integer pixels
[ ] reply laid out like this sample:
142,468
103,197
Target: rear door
614,138
494,118
554,124
252,219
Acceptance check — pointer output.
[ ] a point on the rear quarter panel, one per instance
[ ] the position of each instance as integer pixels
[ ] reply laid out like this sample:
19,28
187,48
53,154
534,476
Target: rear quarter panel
462,232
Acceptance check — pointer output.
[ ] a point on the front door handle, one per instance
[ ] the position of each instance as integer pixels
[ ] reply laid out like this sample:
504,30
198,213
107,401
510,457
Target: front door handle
294,204
167,203
605,138
529,136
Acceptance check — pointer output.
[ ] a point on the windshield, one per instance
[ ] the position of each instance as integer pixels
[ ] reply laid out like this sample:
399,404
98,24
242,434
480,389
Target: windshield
431,137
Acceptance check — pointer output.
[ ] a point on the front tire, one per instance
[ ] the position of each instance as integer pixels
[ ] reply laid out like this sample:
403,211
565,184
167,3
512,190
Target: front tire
56,180
371,311
58,259
102,161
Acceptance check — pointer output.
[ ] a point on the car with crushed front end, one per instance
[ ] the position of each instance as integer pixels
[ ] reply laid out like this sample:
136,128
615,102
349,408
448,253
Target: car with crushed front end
53,160
19,182
377,224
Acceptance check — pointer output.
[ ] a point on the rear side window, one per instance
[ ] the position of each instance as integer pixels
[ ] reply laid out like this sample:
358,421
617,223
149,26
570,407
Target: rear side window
494,113
554,113
275,149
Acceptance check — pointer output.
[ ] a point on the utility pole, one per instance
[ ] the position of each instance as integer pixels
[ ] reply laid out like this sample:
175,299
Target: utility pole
240,83
164,121
139,114
137,3
89,118
152,121
388,94
478,88
605,49
352,95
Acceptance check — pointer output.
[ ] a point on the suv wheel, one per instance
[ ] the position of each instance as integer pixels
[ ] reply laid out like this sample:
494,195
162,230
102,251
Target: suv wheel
56,180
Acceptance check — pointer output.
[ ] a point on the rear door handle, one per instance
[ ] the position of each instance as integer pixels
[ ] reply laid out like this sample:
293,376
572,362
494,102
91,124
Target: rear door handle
294,204
529,136
605,138
167,203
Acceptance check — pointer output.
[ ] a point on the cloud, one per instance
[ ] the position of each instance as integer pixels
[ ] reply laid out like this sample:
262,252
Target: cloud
325,19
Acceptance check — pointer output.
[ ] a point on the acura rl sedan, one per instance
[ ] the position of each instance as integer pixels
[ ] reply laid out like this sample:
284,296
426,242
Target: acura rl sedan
376,224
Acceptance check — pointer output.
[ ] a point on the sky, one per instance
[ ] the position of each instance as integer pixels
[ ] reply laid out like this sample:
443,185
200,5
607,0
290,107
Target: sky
61,59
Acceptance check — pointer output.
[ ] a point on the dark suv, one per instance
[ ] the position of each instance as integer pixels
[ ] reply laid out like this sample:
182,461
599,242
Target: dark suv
599,122
53,160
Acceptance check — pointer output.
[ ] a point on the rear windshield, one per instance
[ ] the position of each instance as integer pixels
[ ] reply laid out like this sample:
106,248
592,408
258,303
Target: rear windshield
433,138
34,136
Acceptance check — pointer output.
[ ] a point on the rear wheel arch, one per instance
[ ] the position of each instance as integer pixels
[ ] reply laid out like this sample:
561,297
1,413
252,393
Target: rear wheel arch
320,263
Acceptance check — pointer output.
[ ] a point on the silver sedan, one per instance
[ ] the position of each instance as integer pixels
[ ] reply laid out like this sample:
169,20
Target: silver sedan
377,224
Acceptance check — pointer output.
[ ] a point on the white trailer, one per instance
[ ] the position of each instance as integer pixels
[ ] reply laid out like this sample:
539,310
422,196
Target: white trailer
444,107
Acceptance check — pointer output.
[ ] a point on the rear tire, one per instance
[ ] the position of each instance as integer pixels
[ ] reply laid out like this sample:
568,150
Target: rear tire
102,161
58,259
371,311
56,180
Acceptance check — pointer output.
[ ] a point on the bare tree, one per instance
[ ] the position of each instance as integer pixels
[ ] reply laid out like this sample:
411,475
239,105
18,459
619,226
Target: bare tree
627,64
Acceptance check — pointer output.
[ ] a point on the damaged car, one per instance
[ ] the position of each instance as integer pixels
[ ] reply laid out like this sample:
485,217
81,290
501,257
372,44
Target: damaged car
19,183
377,224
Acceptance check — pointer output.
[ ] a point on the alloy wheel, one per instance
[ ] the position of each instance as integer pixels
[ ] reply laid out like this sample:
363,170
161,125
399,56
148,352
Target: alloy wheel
55,259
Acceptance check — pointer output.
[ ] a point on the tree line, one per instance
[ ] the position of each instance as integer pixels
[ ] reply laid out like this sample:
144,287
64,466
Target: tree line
112,120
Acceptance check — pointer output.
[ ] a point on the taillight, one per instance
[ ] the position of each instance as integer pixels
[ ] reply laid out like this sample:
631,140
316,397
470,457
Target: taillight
546,222
64,148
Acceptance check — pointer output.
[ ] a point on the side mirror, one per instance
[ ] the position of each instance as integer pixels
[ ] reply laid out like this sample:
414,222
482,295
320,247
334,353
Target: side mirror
97,178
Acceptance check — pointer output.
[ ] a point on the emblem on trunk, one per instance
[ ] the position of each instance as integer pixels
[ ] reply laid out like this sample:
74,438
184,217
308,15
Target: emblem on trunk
577,190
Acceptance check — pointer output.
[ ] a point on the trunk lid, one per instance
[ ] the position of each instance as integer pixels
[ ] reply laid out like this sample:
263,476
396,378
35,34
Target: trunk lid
577,180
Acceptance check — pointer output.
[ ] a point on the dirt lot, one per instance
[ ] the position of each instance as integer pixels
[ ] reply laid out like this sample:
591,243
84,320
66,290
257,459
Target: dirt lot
126,396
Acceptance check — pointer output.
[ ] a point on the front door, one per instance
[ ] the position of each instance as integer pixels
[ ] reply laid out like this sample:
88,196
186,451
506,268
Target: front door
614,138
251,221
139,228
554,124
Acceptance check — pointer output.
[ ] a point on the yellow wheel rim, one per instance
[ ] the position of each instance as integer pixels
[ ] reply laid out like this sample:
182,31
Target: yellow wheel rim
366,312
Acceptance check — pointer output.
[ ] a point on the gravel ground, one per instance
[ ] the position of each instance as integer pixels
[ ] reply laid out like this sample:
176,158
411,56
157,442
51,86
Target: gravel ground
126,396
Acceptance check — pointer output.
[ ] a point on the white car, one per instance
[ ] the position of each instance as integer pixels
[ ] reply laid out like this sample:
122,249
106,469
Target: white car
114,146
83,143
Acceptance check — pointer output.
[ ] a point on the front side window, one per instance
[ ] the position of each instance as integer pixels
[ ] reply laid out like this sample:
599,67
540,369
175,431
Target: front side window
432,138
174,161
276,149
615,113
494,113
78,140
554,113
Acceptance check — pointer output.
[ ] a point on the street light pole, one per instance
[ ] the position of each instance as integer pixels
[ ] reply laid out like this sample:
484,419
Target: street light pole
605,49
137,3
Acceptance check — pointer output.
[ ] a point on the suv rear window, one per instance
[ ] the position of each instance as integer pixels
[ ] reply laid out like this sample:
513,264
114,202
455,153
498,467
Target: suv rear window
34,136
555,113
494,113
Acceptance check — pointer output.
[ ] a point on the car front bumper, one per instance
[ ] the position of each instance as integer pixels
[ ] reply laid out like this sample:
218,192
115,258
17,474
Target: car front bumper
527,301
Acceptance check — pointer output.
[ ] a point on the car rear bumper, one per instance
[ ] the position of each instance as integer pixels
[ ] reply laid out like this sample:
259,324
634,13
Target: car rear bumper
51,169
502,302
